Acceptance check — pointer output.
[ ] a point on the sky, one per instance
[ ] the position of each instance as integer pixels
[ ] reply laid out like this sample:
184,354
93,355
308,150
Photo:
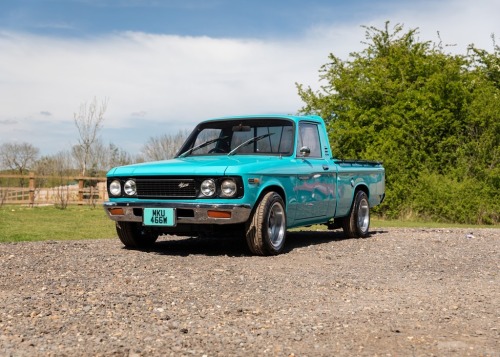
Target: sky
164,65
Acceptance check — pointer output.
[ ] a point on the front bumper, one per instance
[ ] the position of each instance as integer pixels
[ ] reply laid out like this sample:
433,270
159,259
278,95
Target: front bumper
186,213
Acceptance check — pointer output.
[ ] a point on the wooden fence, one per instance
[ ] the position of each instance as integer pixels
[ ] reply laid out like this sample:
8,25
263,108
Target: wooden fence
36,190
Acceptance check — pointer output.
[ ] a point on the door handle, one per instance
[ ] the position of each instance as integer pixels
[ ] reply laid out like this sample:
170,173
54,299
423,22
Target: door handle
325,167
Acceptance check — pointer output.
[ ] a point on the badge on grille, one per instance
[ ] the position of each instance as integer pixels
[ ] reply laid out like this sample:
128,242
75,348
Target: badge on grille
183,185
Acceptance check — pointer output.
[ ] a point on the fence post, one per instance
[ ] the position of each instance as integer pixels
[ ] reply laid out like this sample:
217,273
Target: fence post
32,189
80,191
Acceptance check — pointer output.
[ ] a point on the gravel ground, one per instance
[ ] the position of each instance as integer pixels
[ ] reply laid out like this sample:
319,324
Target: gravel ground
401,292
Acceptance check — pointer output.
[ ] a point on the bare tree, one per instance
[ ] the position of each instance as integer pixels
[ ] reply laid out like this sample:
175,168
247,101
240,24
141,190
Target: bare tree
60,168
163,147
88,121
106,157
57,165
18,157
117,156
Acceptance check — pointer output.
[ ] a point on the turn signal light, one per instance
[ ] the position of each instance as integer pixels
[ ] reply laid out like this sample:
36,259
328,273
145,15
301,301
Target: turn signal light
219,214
116,211
253,181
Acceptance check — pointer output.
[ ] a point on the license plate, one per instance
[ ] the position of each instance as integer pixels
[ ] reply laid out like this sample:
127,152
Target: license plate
158,217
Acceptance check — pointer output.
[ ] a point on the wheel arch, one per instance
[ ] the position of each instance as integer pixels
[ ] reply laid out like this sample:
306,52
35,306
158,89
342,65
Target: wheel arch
356,224
361,187
265,234
357,188
272,187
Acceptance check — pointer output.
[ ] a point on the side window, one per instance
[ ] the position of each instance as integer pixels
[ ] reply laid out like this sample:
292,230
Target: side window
309,137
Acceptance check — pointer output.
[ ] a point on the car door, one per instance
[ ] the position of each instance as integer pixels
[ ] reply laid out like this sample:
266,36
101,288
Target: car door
315,184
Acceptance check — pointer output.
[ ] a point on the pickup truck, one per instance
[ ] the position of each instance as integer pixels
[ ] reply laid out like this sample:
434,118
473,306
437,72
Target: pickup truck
248,176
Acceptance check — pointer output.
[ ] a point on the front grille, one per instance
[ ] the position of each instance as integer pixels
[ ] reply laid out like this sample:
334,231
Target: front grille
165,188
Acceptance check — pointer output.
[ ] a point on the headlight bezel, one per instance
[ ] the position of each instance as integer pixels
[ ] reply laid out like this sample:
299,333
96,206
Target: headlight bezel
115,188
228,188
208,188
222,184
130,188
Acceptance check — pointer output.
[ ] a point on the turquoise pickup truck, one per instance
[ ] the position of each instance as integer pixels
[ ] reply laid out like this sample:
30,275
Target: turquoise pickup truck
247,176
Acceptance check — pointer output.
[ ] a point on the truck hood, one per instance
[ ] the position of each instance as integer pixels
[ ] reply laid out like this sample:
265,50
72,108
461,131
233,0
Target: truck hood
199,165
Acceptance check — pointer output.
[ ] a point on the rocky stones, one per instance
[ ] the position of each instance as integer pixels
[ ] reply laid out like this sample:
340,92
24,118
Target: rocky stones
399,292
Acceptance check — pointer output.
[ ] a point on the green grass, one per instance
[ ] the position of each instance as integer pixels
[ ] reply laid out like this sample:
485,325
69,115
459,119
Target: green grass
381,223
19,223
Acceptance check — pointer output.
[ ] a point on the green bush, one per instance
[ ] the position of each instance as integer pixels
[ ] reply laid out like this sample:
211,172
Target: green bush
431,117
443,199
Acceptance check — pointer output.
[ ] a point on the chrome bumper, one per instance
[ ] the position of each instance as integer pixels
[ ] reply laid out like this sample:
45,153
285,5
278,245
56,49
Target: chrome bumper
187,213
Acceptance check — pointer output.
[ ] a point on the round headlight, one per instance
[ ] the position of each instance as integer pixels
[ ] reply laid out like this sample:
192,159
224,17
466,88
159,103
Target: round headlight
115,188
228,188
130,188
208,188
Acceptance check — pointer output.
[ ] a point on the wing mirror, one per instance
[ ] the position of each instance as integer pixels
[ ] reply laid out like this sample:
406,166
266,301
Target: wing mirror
304,151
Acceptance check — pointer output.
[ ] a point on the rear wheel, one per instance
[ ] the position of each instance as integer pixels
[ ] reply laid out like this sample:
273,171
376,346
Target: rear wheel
133,235
356,225
266,230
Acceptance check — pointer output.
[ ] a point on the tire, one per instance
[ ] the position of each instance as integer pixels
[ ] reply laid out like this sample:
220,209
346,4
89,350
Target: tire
266,229
133,235
356,225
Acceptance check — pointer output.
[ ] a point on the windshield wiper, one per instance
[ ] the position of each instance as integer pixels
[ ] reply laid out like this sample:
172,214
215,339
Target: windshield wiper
248,142
206,143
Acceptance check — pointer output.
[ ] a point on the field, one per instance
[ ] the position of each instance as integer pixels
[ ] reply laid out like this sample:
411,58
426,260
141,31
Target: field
20,223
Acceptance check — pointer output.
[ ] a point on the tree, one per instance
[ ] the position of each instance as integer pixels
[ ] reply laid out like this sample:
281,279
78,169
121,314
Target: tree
18,157
57,166
163,147
88,122
481,155
60,169
104,157
431,117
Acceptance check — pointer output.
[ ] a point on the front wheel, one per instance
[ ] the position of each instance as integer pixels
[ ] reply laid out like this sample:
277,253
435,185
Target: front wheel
133,235
266,230
357,223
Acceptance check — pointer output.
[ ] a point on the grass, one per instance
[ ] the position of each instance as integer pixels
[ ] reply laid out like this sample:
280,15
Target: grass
19,223
381,223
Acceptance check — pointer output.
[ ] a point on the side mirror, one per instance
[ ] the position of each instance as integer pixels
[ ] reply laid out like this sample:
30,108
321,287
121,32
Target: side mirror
304,151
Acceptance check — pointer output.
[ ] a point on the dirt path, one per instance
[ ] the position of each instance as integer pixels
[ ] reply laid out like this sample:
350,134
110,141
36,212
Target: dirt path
401,292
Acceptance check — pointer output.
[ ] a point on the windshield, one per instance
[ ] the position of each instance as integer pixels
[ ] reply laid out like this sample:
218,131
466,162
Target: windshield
240,137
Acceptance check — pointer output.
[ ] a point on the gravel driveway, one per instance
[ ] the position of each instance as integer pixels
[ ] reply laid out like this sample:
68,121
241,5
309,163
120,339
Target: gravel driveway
401,292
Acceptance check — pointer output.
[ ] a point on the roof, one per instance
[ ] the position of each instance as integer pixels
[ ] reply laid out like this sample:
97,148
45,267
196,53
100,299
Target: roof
295,118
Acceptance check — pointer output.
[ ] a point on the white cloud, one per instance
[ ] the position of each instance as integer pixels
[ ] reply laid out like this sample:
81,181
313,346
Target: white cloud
162,78
178,80
459,22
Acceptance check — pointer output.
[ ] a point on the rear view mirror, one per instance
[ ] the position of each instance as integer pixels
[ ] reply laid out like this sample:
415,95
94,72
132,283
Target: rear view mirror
241,127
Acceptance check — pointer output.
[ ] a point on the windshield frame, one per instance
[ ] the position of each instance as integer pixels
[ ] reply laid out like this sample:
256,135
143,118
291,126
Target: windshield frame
229,126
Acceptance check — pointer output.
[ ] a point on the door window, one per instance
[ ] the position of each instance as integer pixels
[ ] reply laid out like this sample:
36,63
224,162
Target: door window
309,137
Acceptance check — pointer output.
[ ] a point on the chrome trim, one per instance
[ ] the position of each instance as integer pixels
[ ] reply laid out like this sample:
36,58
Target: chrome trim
363,215
239,212
276,228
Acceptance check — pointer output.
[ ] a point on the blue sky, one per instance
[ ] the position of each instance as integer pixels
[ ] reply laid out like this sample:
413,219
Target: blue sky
165,65
213,18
